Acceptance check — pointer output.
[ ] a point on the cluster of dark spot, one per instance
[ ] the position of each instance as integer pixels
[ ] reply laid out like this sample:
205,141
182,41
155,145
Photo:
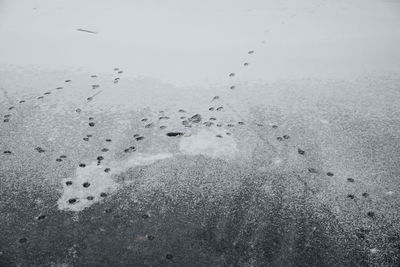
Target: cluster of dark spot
130,149
40,150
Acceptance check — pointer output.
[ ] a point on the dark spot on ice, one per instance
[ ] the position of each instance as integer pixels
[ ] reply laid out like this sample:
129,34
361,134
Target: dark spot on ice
63,156
286,136
350,180
78,110
7,115
91,118
47,93
108,211
150,237
163,118
149,125
89,135
312,170
360,235
120,71
351,196
173,134
130,149
58,160
23,240
10,108
301,151
181,110
228,133
102,194
219,136
68,183
245,64
208,123
41,217
219,108
371,214
22,101
274,126
67,81
72,200
82,165
145,216
241,123
365,194
116,69
195,118
250,52
211,109
169,256
108,140
107,170
7,152
104,149
86,184
213,119
279,138
93,76
329,173
59,88
144,119
215,98
100,158
219,125
230,125
39,149
141,137
40,97
231,74
182,118
85,139
90,198
163,127
89,98
232,87
91,124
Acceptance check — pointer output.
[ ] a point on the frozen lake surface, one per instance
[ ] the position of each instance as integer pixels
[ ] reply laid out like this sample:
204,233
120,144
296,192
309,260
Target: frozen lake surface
208,133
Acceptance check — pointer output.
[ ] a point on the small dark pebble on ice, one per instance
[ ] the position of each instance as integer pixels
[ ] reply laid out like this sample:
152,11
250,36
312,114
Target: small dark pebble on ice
301,151
145,216
286,136
67,81
195,118
91,124
211,109
6,120
82,165
68,183
103,194
72,200
329,174
219,136
163,127
245,64
144,119
58,160
85,139
350,180
107,170
41,217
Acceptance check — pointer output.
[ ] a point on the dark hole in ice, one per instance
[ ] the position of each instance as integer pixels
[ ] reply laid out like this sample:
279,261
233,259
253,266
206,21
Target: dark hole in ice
59,88
219,136
213,119
181,110
208,123
86,184
231,74
230,125
68,183
40,97
7,115
102,194
82,165
350,180
104,149
100,158
140,138
279,138
350,196
195,118
365,194
22,101
6,120
108,140
286,136
329,173
63,157
89,135
41,217
107,170
91,124
10,108
72,200
7,152
58,160
90,198
301,151
173,134
163,118
241,123
130,149
150,237
85,139
371,214
219,125
228,133
91,118
47,93
274,126
90,98
169,256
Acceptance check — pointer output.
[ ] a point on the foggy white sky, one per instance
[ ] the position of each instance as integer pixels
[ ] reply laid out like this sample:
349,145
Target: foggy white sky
192,42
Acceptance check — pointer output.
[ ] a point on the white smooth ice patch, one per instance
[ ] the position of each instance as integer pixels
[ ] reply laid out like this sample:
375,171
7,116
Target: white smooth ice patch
207,143
92,181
